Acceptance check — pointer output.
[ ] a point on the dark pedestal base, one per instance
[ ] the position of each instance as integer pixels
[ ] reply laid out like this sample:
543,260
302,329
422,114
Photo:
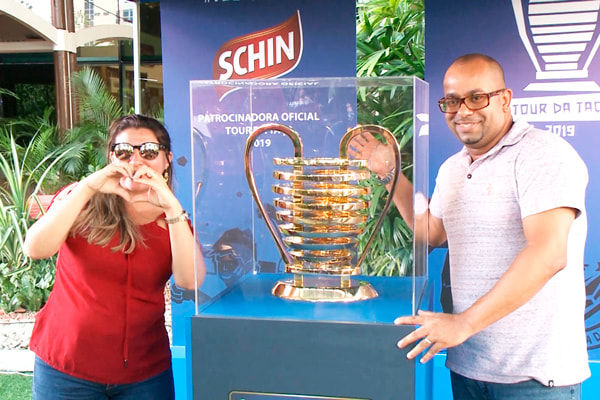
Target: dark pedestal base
237,356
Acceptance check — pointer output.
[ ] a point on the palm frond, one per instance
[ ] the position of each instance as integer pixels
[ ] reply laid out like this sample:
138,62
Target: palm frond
96,103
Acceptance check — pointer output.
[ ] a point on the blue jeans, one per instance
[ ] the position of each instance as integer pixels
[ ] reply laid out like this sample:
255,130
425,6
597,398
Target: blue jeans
465,388
51,384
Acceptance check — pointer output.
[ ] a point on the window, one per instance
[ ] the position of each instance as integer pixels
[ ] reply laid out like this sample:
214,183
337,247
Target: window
128,15
89,12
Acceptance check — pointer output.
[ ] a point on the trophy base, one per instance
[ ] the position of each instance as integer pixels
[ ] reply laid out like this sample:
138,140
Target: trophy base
323,289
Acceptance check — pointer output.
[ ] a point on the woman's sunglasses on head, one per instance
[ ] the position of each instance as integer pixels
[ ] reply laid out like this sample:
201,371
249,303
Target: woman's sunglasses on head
148,150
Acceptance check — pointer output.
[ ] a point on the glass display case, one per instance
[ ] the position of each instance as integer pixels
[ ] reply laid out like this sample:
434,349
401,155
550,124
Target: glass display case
308,259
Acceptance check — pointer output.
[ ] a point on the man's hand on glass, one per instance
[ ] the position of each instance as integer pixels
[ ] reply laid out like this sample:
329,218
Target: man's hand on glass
379,155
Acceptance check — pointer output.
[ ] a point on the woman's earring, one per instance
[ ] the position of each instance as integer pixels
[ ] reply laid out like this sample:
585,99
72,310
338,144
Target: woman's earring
166,175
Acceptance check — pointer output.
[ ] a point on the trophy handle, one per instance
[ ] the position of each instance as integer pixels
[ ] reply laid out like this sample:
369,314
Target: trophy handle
348,136
293,135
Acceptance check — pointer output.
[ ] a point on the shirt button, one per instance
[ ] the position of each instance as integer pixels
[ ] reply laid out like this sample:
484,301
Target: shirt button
469,176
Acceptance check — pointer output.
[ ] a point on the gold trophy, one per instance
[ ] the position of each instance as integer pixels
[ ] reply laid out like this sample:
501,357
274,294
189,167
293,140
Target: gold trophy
320,215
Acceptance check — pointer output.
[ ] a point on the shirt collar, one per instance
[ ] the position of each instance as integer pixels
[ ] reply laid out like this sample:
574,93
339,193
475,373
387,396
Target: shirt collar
519,128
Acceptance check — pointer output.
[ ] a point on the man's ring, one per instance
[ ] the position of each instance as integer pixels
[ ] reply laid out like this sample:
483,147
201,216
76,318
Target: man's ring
427,340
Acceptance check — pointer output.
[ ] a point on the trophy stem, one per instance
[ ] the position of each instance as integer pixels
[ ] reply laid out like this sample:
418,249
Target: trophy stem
299,280
345,281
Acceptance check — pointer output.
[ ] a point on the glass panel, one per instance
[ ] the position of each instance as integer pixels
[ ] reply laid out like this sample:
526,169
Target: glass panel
99,51
308,196
420,189
151,89
114,58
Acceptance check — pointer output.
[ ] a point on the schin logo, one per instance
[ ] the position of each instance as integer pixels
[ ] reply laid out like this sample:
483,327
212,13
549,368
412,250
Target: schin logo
561,38
269,53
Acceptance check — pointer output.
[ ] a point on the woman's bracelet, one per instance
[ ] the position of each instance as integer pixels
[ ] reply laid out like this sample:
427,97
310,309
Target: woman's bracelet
181,217
387,178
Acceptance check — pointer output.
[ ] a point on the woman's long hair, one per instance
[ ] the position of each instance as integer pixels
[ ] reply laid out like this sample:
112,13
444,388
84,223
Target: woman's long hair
105,215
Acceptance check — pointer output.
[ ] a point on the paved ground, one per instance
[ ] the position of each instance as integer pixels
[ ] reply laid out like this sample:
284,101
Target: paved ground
16,360
15,331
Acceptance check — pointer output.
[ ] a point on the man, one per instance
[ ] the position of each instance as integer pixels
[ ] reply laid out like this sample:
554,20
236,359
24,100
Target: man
511,207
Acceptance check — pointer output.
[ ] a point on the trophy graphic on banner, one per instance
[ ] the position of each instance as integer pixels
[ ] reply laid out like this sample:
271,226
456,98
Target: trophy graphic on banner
561,39
320,215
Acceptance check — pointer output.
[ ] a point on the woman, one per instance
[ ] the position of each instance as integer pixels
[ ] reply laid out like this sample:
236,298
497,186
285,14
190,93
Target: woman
120,233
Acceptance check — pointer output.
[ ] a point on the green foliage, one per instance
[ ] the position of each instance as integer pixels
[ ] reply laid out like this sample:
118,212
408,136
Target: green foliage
390,42
36,135
390,38
35,159
97,109
34,98
390,253
8,92
24,282
97,106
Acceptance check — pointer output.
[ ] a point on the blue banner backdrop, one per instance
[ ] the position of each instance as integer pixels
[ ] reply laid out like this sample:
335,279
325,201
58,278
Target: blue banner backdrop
243,39
549,51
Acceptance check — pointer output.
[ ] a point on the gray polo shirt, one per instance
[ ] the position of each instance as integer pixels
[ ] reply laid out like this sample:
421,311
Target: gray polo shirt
482,205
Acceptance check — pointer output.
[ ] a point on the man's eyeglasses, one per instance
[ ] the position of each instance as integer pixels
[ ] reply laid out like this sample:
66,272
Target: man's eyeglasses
148,150
473,102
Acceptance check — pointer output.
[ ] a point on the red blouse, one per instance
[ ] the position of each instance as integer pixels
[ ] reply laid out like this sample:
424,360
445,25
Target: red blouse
104,319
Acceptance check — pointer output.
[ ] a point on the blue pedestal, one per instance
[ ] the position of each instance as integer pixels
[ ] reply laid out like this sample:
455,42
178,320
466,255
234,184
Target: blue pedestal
249,341
251,297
